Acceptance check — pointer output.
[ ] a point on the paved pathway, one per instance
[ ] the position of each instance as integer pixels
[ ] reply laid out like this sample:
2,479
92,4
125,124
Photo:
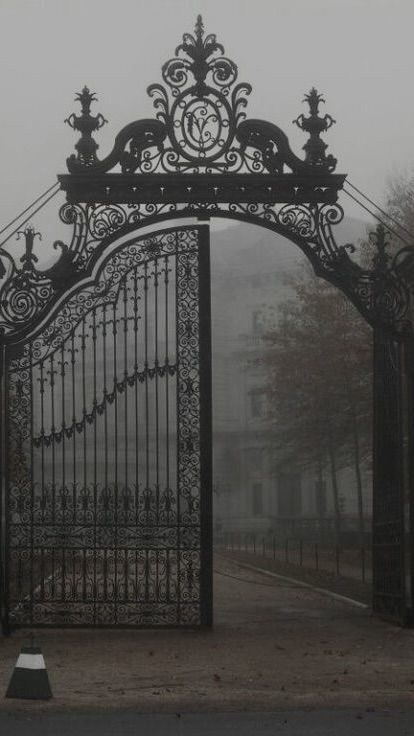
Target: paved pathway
287,723
275,646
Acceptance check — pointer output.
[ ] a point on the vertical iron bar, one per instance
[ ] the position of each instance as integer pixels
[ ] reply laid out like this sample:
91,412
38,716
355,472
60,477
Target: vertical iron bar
4,546
147,489
126,492
167,394
157,450
106,495
178,420
136,316
63,409
95,468
74,493
82,571
53,432
206,466
84,413
32,486
114,332
105,414
148,498
126,480
42,434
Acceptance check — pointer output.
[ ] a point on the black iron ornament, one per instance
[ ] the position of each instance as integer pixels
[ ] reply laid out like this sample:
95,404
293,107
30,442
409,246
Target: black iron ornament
86,124
315,125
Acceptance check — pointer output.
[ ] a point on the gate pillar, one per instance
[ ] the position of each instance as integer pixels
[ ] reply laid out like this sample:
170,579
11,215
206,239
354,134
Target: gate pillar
391,441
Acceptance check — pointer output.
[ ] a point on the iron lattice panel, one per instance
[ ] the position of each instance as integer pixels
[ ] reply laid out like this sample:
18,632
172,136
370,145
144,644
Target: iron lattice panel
104,520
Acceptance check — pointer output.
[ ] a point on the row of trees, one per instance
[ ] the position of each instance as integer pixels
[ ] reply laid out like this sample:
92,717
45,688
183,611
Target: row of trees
319,383
318,361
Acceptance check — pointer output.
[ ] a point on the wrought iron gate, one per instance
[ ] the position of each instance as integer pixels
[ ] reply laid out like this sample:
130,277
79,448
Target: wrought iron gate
108,445
106,504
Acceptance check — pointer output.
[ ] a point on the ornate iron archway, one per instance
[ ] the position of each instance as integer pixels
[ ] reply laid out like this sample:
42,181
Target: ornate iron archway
202,157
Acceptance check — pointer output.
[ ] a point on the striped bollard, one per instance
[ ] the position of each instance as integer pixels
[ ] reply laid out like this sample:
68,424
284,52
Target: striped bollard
30,679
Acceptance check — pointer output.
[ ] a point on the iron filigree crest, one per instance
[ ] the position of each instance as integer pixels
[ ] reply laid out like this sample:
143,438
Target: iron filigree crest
200,125
202,157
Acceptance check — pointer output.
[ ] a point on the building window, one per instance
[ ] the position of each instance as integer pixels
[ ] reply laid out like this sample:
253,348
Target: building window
257,403
257,499
257,322
320,495
254,457
289,496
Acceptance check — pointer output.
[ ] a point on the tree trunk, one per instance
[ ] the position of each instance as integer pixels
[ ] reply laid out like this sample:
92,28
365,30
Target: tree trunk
337,510
357,465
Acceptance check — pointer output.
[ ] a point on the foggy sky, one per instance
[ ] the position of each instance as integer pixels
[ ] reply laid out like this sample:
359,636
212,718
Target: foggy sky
357,52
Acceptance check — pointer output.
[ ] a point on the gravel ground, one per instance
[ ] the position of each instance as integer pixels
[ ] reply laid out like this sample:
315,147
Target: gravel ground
274,646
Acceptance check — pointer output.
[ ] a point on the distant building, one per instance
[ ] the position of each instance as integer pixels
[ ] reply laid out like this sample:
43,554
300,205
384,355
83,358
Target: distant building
252,492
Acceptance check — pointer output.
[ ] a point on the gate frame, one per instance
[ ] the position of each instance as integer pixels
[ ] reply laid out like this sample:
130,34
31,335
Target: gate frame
199,157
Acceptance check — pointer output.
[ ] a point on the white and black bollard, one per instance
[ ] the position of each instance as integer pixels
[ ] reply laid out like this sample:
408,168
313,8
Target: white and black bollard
30,679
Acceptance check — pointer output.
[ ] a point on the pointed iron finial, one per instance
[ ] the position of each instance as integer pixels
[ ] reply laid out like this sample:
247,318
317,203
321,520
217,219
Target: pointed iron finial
85,98
315,125
86,124
313,98
199,28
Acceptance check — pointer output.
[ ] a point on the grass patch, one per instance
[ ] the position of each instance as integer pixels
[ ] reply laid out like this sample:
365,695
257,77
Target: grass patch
319,578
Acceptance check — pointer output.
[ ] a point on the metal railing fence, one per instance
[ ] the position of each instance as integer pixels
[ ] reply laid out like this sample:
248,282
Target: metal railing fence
308,554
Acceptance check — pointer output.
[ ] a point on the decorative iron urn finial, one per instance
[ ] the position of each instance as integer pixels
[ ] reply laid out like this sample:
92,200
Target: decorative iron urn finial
86,124
315,125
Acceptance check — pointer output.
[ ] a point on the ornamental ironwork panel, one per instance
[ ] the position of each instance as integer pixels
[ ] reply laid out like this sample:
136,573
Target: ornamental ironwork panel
108,446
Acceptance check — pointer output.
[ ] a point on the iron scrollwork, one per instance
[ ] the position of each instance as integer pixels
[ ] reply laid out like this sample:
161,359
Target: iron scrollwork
27,292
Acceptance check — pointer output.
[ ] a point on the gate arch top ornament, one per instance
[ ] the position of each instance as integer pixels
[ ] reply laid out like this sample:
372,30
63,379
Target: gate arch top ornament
200,126
202,157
